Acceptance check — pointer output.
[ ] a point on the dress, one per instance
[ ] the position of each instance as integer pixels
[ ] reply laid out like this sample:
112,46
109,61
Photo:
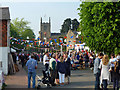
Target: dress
105,74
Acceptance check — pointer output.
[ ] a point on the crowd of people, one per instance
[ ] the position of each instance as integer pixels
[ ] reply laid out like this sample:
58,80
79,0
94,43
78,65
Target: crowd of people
107,70
60,64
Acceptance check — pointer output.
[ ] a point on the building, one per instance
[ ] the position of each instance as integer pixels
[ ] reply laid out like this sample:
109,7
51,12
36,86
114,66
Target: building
45,34
71,40
45,31
4,38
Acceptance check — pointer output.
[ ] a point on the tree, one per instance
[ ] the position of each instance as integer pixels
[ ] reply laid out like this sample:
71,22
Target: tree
28,33
69,24
99,23
13,32
75,24
20,28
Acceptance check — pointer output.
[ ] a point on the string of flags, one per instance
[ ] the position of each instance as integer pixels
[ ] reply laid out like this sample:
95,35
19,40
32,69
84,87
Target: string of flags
33,42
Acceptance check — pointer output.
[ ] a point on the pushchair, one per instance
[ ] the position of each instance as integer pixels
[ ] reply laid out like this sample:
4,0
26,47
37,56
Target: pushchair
45,80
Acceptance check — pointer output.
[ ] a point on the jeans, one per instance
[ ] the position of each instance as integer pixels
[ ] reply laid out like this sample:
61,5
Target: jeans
116,83
97,81
61,77
33,75
105,84
46,66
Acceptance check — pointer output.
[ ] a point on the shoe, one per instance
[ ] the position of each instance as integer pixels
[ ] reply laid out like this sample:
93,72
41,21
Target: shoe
53,84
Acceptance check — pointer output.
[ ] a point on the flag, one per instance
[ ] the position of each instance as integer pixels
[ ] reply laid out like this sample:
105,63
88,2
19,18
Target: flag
74,41
43,43
79,41
55,40
38,38
70,45
71,37
65,37
60,40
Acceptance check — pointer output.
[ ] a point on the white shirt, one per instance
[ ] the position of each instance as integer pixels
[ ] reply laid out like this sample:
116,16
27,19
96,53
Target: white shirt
113,60
29,57
44,59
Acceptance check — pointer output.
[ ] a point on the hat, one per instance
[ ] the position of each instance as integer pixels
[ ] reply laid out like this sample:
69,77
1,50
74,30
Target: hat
118,57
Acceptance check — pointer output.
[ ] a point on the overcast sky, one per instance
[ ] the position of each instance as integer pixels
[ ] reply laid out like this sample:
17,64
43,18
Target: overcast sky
58,10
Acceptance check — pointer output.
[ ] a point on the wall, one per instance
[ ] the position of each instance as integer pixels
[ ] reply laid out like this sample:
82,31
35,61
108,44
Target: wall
4,46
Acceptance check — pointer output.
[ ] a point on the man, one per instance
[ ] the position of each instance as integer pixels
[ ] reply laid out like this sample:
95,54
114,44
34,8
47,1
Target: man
112,60
32,66
46,61
52,66
23,59
97,70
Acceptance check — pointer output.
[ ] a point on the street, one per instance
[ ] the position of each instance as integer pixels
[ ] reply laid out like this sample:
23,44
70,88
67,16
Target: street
79,78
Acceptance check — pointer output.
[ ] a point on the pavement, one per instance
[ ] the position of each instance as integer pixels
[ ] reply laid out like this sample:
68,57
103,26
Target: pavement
18,80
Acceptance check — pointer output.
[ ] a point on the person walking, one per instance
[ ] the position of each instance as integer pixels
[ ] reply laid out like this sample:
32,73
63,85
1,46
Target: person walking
32,66
105,74
61,67
52,66
116,73
23,60
97,71
46,61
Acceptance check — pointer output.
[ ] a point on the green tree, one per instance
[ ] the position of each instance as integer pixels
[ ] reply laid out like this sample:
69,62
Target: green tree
20,25
28,33
66,25
100,24
69,24
13,32
75,24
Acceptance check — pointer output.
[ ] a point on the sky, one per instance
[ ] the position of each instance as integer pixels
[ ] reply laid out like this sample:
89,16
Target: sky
32,11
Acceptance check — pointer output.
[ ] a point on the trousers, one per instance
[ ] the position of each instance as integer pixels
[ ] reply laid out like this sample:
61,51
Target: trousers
61,77
33,75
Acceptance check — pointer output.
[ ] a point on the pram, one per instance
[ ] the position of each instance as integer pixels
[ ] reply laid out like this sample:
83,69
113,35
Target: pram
45,80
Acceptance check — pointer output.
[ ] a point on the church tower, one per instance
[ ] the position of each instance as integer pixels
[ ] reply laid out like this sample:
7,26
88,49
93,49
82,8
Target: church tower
45,30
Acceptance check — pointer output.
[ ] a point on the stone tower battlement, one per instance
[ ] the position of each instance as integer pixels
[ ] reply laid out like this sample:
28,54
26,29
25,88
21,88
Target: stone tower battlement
45,30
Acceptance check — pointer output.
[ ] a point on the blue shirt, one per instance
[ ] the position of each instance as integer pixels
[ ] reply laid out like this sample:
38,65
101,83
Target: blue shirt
31,63
96,65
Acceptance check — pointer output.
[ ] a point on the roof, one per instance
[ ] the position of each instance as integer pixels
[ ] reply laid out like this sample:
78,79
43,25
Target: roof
4,13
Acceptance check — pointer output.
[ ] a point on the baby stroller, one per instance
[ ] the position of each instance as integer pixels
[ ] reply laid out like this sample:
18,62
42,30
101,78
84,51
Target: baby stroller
45,80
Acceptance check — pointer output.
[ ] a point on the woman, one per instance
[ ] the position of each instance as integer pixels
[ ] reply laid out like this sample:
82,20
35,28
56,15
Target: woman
112,60
105,74
116,73
61,67
68,66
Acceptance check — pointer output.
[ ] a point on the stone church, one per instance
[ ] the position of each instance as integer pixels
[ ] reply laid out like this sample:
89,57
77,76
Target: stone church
45,34
45,31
